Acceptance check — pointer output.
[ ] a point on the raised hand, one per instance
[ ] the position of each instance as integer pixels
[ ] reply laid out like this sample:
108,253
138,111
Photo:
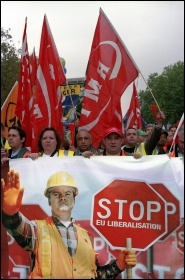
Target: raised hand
160,118
12,193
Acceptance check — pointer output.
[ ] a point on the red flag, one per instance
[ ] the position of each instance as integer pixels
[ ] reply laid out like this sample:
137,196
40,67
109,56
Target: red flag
134,112
110,70
33,69
47,107
22,110
154,110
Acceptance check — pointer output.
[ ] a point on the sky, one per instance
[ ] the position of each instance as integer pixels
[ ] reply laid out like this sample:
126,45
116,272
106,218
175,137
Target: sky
152,31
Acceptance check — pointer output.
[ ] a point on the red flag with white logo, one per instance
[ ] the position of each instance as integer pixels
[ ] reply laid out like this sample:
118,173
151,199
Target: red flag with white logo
110,70
47,107
134,112
22,110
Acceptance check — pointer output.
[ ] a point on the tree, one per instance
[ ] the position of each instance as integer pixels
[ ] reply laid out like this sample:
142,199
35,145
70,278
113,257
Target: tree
9,64
168,90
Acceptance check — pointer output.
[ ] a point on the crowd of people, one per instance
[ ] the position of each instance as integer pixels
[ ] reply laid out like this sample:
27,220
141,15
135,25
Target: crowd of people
71,241
152,140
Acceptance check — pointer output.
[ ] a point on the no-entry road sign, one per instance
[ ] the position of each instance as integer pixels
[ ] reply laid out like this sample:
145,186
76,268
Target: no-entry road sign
129,209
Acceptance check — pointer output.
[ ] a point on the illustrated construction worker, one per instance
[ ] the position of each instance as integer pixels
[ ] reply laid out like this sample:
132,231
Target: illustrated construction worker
59,248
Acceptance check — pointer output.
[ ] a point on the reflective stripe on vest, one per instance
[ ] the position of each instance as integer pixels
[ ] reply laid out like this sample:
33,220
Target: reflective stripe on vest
141,149
62,153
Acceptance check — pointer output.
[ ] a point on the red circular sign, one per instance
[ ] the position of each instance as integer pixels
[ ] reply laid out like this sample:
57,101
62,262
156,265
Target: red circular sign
129,209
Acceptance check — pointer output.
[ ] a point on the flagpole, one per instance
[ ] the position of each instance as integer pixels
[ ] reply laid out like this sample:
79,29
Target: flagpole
179,125
152,94
131,58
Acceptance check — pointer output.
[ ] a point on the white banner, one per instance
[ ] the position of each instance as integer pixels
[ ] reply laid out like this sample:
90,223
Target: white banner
93,175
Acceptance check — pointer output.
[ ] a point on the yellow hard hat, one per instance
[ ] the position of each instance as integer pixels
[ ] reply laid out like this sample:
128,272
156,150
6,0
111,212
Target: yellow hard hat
60,179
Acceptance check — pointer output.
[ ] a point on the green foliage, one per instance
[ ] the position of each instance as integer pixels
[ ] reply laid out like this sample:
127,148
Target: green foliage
168,90
9,64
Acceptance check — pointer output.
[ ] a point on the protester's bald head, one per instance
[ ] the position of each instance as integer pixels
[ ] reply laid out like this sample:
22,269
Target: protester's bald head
84,140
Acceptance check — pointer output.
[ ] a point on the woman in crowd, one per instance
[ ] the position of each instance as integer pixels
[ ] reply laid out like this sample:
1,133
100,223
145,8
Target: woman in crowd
49,145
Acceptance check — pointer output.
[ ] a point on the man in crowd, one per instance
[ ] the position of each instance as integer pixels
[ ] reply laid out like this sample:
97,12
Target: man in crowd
178,149
131,141
16,141
112,143
142,135
172,129
84,144
113,140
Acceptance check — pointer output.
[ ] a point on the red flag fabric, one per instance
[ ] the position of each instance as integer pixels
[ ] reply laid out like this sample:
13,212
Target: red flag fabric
22,110
117,120
134,112
47,107
110,70
154,110
33,69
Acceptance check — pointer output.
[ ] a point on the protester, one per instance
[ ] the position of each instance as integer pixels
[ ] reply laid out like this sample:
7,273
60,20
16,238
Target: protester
149,147
178,149
84,144
49,145
112,144
16,141
59,248
131,141
112,141
161,145
149,128
142,135
172,129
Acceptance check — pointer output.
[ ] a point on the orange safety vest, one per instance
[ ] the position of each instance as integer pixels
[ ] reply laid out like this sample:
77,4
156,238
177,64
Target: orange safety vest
52,259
